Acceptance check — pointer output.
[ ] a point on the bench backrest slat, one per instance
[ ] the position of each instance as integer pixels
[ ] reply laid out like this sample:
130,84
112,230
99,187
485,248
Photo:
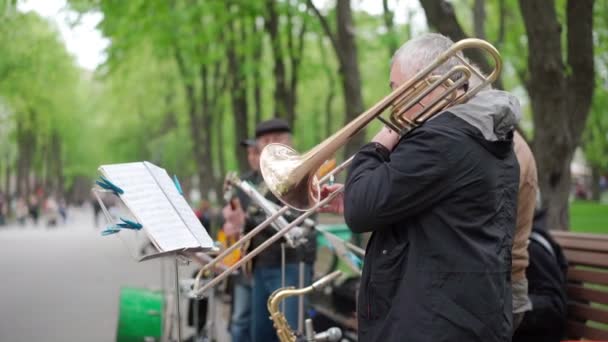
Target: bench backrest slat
587,276
582,311
585,236
580,330
585,294
587,287
586,258
583,244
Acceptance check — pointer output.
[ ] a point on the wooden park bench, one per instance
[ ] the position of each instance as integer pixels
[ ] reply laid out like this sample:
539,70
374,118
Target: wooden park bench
587,255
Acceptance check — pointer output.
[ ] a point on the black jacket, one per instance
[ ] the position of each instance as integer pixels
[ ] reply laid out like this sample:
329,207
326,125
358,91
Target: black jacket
442,209
546,275
271,257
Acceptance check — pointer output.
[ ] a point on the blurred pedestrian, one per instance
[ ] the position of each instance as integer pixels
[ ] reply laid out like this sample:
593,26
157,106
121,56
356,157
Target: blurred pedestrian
203,214
34,208
96,210
51,211
21,210
3,209
63,210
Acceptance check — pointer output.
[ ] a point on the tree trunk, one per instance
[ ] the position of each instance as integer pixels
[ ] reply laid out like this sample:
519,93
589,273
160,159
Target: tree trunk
196,125
59,171
186,183
560,99
280,82
331,90
19,167
502,16
479,18
441,16
26,144
389,23
345,47
55,166
197,143
257,74
212,95
46,163
220,149
239,99
206,128
7,184
596,191
349,70
2,175
295,47
221,155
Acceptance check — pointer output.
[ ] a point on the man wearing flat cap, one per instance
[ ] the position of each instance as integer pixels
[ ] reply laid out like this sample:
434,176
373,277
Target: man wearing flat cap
266,266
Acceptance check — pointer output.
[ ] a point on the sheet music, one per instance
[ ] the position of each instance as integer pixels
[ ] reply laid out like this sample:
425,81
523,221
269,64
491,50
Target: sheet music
180,204
150,206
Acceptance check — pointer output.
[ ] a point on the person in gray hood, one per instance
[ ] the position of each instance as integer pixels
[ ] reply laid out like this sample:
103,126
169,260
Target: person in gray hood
441,204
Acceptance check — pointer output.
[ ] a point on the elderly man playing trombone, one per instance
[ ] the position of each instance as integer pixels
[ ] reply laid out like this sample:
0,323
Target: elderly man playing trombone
441,203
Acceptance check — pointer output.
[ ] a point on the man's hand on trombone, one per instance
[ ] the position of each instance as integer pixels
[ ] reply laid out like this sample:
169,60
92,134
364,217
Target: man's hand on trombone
336,206
385,137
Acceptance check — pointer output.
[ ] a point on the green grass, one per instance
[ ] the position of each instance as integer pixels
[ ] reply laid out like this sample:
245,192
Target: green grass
589,217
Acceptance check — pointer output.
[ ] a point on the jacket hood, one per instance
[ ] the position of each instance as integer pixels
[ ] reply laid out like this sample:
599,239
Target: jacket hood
494,113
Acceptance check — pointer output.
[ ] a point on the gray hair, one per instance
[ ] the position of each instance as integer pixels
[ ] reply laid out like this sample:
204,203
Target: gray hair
421,51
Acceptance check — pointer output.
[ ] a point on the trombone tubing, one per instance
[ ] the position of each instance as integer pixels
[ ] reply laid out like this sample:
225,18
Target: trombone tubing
265,244
245,238
268,221
354,248
238,244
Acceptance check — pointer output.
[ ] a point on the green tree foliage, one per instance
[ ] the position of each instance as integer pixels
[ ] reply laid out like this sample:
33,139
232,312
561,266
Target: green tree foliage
185,80
169,74
42,93
7,7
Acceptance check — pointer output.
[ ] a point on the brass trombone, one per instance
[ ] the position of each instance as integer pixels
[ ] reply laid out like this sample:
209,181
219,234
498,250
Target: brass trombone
199,290
291,177
295,237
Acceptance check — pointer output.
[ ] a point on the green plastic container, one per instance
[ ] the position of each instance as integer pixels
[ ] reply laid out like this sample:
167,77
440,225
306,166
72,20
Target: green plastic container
140,317
341,230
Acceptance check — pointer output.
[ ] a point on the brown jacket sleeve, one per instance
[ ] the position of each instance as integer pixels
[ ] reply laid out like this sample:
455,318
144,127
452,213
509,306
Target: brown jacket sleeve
526,203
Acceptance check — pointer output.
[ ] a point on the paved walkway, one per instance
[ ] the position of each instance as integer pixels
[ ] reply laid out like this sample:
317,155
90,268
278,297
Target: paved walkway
63,284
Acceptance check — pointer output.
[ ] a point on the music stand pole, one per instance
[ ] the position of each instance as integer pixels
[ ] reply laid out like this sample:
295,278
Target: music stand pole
283,273
211,315
301,277
178,312
196,318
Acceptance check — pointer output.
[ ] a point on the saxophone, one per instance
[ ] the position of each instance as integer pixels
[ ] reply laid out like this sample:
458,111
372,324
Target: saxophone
284,331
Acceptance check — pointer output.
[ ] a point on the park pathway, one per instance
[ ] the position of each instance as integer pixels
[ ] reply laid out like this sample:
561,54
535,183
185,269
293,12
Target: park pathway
63,284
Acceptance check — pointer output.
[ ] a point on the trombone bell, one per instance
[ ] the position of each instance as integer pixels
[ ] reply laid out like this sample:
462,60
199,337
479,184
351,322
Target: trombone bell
280,166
